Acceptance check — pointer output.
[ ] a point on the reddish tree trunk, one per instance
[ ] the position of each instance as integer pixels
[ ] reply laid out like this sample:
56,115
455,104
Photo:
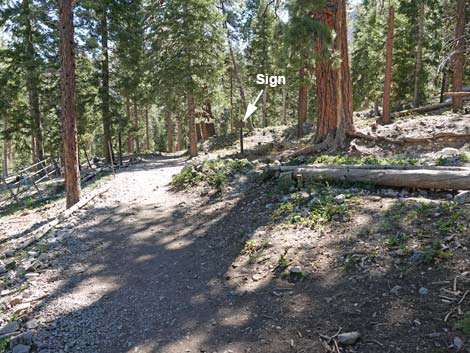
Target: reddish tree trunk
147,132
105,86
303,101
69,111
457,102
136,127
388,66
192,127
334,91
169,130
179,122
130,147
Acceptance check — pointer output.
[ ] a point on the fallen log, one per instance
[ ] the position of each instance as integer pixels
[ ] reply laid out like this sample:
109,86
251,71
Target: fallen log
422,178
457,94
409,140
44,229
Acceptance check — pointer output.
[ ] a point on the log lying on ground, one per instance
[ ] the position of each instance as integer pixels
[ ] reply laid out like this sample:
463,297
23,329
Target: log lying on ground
410,140
446,178
44,229
431,107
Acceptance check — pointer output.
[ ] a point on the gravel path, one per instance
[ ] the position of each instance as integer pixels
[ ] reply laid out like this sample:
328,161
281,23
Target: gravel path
141,275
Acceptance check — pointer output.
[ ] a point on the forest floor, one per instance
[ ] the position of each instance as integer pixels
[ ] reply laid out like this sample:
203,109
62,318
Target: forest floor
259,266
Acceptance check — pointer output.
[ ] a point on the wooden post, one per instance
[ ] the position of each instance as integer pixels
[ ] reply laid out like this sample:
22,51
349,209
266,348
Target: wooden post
10,190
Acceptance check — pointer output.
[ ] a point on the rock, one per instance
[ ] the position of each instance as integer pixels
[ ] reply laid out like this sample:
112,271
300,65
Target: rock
25,338
448,152
10,328
418,257
32,324
349,338
2,267
340,198
395,290
295,270
458,343
423,291
462,197
21,348
390,193
10,264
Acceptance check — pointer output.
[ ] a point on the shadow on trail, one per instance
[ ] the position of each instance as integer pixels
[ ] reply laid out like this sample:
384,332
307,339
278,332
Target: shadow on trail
166,274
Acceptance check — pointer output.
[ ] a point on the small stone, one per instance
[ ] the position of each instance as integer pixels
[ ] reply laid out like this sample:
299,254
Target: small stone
390,193
423,291
448,152
25,338
10,264
395,290
462,197
340,198
349,338
295,270
32,324
10,328
418,257
458,343
256,277
21,348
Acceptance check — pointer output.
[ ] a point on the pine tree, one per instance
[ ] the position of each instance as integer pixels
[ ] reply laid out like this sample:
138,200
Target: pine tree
188,56
457,102
69,112
388,64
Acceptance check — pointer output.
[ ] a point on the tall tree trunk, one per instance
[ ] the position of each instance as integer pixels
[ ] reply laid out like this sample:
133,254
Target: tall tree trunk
69,110
130,145
5,147
457,102
444,82
147,132
169,131
33,149
265,108
32,80
236,69
179,122
192,127
284,105
105,85
303,101
136,126
334,91
10,151
388,65
419,54
376,108
232,125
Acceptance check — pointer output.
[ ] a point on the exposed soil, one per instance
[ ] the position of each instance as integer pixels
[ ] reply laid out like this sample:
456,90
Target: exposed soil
147,269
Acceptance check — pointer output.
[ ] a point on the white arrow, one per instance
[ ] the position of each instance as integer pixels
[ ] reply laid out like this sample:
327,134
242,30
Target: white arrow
251,107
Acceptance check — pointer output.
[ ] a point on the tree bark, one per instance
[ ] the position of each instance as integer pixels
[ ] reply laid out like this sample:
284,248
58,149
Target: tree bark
284,106
32,80
169,131
232,125
265,109
419,54
5,148
457,102
105,85
136,126
192,127
399,177
376,108
334,91
130,145
179,122
388,65
147,131
69,110
303,102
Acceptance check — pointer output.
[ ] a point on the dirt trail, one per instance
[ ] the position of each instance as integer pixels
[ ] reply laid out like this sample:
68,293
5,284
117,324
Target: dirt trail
150,281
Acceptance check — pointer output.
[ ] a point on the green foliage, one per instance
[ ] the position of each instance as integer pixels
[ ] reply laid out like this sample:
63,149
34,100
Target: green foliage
250,248
213,173
464,323
312,212
282,262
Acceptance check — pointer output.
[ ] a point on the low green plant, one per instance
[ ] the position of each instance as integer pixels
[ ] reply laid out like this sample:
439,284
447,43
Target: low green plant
464,323
282,262
250,248
214,173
